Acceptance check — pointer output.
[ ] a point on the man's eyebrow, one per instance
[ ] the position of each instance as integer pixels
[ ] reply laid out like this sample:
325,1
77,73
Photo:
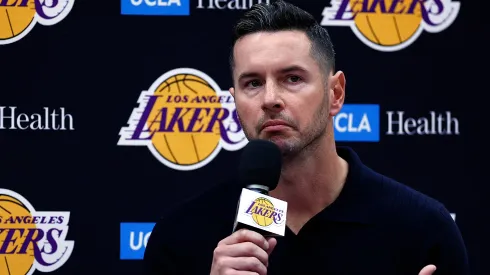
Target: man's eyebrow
247,75
292,68
289,69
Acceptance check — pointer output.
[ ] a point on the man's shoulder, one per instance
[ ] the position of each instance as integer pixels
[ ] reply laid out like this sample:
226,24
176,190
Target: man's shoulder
400,202
418,224
189,231
387,200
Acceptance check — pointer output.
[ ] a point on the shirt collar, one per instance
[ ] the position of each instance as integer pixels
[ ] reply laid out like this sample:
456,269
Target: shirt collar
354,203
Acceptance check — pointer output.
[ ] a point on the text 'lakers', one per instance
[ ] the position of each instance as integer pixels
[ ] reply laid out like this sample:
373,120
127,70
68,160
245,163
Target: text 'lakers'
264,213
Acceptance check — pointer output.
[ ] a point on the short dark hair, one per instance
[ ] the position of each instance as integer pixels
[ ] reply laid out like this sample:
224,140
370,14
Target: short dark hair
282,16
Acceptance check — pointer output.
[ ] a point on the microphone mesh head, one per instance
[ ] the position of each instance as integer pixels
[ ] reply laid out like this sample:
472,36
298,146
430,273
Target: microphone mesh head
260,164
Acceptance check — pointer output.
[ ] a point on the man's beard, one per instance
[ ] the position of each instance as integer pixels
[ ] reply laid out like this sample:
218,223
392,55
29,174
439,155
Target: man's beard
292,145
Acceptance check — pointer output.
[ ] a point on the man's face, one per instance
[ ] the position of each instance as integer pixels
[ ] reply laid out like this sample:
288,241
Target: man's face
280,91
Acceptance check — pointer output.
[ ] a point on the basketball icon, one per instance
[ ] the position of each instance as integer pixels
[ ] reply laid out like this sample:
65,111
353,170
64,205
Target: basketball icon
181,120
28,242
14,20
18,17
386,29
15,263
264,204
390,25
184,119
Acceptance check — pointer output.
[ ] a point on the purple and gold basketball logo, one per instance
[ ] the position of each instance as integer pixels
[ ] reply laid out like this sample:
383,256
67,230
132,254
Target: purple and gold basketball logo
184,119
390,25
263,212
18,17
31,240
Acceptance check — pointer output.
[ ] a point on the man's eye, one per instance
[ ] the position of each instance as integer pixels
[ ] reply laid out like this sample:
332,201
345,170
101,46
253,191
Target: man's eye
294,78
253,83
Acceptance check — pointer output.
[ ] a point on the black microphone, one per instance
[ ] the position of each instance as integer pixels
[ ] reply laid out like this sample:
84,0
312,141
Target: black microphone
260,166
259,172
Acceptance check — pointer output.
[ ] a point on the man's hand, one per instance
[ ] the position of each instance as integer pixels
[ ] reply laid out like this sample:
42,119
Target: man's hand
244,251
428,270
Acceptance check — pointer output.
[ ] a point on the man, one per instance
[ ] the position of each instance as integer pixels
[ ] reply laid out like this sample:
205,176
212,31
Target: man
343,218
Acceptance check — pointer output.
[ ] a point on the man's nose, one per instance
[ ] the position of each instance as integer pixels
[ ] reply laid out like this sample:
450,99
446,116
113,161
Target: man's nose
273,101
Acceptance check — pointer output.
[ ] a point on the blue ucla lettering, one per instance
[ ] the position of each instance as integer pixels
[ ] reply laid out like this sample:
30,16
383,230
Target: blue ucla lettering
161,3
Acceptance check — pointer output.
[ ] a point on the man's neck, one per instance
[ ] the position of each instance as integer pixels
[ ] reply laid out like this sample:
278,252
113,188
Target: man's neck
312,181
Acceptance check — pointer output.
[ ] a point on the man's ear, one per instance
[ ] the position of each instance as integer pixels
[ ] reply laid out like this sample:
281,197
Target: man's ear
337,92
232,92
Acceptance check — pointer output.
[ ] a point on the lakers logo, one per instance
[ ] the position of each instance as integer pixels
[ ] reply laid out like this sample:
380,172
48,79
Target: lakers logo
184,119
18,17
391,25
263,212
31,240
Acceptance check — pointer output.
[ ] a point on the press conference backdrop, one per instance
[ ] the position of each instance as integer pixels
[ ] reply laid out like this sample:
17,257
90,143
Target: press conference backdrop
111,113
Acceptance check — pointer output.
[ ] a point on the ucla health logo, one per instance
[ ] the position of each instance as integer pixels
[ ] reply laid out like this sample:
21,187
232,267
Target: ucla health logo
31,240
357,122
18,17
184,119
134,238
155,7
390,25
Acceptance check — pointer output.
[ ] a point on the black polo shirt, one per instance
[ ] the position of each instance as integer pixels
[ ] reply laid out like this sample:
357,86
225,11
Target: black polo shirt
375,226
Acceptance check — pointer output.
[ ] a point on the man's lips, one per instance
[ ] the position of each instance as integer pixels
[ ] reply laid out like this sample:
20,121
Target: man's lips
274,125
